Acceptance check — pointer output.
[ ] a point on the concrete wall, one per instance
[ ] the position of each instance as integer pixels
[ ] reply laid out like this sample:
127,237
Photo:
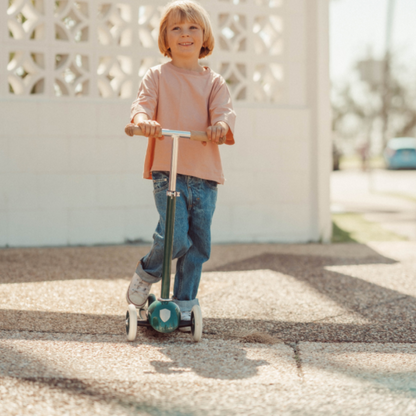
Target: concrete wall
69,175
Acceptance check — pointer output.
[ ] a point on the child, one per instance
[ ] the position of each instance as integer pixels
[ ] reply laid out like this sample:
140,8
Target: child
182,95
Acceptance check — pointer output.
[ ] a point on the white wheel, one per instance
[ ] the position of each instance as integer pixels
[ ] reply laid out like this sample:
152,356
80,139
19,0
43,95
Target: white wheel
131,322
196,323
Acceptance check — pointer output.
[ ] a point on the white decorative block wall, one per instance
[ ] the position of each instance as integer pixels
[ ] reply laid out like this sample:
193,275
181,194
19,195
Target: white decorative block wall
69,71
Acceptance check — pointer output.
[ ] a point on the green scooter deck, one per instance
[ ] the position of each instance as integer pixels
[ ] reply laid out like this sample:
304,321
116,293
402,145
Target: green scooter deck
147,324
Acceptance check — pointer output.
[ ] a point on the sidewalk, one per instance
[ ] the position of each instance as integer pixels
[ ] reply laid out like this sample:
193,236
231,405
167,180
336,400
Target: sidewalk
288,330
384,197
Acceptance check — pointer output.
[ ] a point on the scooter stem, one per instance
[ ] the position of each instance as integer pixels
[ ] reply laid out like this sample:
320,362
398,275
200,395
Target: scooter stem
174,163
170,219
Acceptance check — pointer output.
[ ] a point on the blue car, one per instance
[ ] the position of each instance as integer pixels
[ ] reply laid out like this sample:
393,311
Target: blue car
400,153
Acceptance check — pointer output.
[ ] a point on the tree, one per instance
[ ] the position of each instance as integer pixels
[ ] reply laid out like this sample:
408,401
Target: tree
361,104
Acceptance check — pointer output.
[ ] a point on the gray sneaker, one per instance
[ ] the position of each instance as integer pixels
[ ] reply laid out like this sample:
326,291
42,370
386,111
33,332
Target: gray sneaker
138,291
186,316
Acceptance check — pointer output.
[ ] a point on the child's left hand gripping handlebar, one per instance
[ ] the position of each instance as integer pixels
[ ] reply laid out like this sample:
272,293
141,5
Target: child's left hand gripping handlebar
200,136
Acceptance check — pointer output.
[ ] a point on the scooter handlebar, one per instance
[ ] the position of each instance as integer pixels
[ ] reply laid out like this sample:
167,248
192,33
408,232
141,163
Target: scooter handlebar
132,129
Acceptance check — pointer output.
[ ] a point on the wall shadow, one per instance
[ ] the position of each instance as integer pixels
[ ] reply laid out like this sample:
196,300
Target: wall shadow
388,315
69,263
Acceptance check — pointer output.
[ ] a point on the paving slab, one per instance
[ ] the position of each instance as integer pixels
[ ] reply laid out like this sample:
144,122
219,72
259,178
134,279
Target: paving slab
386,371
106,375
152,373
388,365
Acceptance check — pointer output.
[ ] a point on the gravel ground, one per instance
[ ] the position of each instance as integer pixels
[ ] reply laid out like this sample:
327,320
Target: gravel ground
288,330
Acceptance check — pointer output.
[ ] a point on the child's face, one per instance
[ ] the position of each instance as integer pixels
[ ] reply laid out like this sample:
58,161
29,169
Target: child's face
184,39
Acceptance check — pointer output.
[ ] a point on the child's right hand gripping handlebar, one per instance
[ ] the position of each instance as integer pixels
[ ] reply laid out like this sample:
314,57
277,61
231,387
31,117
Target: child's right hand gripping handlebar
200,136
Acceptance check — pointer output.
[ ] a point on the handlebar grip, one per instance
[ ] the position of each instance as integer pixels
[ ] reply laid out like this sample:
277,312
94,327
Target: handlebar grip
200,136
133,129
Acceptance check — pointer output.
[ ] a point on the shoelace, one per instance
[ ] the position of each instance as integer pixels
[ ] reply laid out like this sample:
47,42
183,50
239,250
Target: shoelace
140,287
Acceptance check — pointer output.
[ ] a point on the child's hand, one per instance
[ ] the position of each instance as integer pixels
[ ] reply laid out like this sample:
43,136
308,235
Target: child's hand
129,129
217,133
151,128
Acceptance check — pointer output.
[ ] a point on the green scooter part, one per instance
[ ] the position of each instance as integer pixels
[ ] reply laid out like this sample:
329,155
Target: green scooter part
143,310
164,316
151,299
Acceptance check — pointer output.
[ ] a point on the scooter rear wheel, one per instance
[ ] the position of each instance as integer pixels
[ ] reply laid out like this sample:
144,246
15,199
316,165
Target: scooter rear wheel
131,322
196,323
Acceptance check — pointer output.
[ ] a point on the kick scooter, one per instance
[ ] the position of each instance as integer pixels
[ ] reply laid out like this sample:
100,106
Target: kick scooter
163,314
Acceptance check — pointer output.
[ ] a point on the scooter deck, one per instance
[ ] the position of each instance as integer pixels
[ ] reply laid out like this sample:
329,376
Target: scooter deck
147,323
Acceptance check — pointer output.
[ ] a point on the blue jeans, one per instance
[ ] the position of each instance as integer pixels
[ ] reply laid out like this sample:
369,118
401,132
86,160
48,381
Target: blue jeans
192,235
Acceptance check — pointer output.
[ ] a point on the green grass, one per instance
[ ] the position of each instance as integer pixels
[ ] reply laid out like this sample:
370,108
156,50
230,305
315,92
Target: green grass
339,235
353,228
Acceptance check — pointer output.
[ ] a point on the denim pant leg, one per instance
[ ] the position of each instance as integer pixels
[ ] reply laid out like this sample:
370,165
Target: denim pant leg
189,266
151,265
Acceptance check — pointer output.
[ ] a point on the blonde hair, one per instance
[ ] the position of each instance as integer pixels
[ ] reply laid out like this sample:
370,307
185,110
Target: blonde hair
186,10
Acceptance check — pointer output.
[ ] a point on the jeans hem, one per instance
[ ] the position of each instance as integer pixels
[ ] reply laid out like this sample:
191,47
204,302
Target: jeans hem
146,276
186,305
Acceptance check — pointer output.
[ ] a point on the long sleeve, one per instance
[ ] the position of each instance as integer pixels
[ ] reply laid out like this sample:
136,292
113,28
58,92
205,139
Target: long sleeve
221,109
146,101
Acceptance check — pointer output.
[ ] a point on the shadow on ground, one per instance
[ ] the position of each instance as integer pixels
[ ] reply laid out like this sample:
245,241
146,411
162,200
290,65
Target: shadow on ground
387,315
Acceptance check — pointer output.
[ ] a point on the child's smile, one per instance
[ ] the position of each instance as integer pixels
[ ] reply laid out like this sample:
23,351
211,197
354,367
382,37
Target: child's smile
185,40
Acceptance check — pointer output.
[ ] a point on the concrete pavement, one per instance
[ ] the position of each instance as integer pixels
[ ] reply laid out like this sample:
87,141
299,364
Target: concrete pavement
288,330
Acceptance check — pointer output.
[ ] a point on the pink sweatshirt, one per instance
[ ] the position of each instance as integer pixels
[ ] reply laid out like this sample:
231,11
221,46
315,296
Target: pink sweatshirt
180,99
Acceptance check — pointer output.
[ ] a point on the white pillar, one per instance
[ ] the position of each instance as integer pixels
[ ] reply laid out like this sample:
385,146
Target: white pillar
318,96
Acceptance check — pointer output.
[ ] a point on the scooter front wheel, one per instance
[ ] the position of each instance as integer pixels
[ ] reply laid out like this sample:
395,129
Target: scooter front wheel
131,322
196,323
